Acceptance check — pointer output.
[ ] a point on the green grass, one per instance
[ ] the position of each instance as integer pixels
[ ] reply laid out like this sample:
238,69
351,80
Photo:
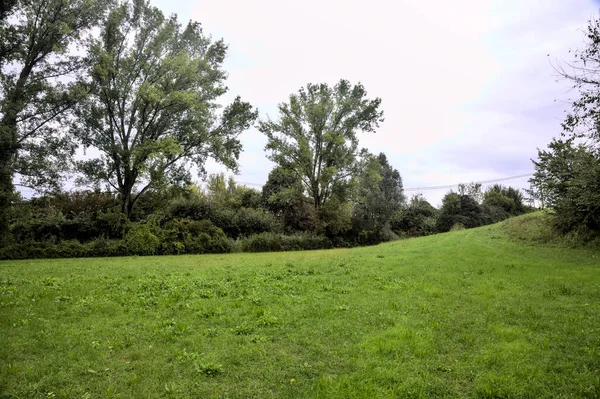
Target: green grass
464,314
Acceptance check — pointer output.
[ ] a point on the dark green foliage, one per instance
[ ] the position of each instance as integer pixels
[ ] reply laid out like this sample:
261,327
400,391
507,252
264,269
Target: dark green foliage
141,240
83,216
494,214
272,242
248,221
196,207
283,196
507,198
234,222
379,195
417,218
459,210
568,176
181,236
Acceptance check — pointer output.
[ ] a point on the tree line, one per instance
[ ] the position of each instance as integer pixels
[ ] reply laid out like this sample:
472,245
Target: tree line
140,93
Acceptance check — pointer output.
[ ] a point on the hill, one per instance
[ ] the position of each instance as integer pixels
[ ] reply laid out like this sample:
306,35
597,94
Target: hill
473,313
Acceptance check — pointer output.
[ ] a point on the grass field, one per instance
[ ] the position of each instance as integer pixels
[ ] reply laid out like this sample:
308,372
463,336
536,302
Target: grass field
464,314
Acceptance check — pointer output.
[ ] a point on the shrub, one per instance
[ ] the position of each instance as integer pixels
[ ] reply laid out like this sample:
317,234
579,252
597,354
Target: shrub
66,249
139,240
418,218
23,250
272,242
461,209
248,221
103,247
195,237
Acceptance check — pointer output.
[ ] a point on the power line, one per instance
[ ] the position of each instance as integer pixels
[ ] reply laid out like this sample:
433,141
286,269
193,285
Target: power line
29,190
448,186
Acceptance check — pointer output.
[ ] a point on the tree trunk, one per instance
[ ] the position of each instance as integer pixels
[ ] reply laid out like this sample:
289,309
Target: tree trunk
8,150
127,204
6,184
13,105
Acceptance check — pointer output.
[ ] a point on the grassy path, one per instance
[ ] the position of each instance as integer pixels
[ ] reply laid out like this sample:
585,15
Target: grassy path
463,314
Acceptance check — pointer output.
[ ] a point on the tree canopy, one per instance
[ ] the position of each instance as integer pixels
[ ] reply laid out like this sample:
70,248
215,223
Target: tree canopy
315,135
153,109
38,84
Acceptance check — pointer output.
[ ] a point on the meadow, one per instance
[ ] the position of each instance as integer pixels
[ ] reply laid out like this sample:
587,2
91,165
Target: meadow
467,314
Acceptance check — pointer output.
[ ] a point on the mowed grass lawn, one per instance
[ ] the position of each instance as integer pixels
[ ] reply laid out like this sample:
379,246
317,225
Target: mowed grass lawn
463,314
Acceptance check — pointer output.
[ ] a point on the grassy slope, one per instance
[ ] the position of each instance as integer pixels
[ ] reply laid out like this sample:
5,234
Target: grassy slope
462,314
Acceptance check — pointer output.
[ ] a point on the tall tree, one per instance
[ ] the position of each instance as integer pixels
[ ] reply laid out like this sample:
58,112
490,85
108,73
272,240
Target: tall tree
568,172
37,87
316,135
153,110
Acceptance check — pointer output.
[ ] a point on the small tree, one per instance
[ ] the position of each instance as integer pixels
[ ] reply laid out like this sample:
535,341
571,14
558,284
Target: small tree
153,109
569,177
316,135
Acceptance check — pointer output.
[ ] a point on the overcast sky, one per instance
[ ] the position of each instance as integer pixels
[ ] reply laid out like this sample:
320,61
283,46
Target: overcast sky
467,87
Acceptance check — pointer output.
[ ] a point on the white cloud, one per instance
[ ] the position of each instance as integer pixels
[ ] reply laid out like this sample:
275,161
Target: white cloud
467,87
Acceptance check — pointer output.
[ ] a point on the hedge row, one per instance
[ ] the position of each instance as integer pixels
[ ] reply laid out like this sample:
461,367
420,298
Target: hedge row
179,236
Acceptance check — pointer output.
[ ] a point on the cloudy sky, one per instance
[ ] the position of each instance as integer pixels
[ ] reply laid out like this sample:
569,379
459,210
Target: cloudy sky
467,87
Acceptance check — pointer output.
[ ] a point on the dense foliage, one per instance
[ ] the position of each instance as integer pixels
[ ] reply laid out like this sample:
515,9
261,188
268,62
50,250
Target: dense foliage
145,106
227,217
152,106
37,88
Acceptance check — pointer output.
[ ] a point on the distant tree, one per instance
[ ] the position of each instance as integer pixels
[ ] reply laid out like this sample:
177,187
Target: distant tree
459,210
316,135
379,192
507,198
37,88
417,218
473,190
153,108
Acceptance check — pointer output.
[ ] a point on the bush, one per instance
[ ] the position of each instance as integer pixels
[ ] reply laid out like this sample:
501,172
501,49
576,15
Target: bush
418,218
140,240
194,237
248,221
23,250
457,227
103,247
66,249
272,242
